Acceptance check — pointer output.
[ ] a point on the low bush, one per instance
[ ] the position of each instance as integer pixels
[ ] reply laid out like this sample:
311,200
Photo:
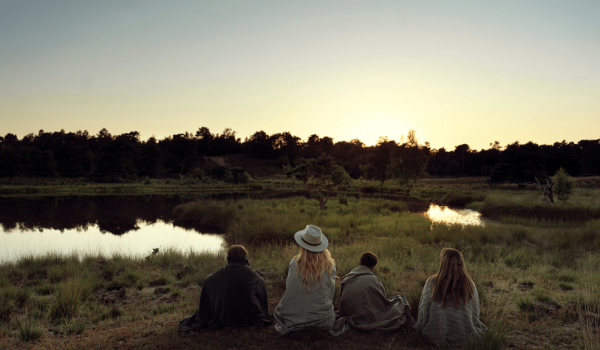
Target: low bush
29,330
70,296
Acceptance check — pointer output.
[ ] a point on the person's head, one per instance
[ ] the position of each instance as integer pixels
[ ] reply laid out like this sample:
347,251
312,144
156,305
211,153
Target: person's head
237,251
311,266
369,260
452,282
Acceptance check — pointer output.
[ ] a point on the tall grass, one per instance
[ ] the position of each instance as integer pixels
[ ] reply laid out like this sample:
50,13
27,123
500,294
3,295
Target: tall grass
11,298
29,330
70,296
590,319
527,204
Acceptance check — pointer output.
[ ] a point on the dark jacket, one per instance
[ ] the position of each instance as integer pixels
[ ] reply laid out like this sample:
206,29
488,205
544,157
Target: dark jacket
235,295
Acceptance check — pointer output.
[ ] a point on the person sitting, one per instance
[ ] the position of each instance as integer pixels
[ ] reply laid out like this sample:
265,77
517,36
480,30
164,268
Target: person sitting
449,306
234,295
310,286
363,302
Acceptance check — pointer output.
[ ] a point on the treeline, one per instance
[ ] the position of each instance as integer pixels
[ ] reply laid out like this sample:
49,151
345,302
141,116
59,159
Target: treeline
112,158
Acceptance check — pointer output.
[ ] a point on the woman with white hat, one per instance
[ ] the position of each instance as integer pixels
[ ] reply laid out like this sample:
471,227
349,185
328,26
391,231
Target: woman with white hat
310,286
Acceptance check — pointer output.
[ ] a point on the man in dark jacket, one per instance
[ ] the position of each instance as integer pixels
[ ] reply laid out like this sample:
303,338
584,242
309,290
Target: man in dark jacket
234,295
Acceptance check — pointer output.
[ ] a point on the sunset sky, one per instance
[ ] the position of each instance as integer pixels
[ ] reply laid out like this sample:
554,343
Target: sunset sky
455,71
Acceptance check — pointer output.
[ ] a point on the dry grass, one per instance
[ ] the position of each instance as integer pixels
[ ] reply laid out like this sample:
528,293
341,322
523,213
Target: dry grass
537,284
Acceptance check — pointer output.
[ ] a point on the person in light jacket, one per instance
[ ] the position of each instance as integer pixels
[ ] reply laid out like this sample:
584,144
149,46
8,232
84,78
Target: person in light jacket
449,306
310,286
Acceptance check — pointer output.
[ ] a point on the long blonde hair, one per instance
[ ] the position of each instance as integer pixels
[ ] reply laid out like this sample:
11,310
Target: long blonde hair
452,282
311,266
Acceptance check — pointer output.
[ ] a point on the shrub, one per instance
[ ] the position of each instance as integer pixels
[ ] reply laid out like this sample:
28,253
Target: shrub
10,299
524,304
45,289
343,199
542,295
565,286
563,185
197,173
73,326
42,304
237,175
29,330
567,278
161,309
71,294
7,307
491,339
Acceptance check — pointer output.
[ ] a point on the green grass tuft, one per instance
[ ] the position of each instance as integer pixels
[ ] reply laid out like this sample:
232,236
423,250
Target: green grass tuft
29,330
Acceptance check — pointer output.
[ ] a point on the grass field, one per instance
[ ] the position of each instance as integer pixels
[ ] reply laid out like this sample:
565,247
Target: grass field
537,277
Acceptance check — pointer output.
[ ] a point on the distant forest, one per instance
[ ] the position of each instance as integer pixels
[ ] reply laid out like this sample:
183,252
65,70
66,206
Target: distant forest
115,158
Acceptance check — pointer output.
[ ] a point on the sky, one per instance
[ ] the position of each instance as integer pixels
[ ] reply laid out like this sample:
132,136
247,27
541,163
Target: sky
456,72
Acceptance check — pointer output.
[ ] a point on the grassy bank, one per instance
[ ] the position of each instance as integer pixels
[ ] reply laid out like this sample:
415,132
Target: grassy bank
584,205
538,285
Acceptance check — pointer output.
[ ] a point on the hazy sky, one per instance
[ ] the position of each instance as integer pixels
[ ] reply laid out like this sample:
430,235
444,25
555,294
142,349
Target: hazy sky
455,71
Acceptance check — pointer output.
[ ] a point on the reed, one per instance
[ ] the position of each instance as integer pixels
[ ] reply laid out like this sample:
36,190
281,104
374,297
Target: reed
516,267
70,296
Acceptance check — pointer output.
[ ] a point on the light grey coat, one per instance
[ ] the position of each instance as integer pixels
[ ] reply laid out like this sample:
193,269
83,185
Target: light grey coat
300,309
364,305
448,327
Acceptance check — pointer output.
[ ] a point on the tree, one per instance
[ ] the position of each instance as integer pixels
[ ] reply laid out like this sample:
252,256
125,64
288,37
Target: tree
563,185
519,164
378,162
410,161
321,174
10,163
461,151
116,161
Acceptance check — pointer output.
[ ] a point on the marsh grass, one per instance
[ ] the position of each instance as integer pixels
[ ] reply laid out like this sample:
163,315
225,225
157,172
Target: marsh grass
525,208
73,327
70,295
500,257
29,330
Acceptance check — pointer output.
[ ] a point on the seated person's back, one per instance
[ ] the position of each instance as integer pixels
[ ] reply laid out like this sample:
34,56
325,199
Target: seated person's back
310,286
363,302
234,295
449,306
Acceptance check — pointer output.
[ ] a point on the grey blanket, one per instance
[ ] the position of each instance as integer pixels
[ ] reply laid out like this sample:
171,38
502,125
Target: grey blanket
448,327
235,295
365,307
299,309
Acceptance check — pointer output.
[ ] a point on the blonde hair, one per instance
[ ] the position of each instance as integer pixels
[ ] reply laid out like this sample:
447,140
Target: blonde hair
311,266
452,282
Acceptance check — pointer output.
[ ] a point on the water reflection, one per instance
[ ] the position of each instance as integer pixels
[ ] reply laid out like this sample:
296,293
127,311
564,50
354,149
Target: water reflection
92,240
445,215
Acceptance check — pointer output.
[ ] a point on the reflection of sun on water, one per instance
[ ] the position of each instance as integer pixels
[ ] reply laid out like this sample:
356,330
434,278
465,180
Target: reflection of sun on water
445,215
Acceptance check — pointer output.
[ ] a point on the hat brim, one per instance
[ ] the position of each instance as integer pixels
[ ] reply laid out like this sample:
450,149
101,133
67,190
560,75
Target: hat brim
311,248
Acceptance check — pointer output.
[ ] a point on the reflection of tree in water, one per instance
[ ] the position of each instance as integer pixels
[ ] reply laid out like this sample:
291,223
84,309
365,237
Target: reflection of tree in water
121,214
113,214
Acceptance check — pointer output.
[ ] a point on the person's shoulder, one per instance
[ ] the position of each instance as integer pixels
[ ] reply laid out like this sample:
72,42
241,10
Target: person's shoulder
429,282
215,275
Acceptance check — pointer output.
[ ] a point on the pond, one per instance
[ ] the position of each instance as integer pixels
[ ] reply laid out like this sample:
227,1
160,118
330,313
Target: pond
91,240
131,225
453,216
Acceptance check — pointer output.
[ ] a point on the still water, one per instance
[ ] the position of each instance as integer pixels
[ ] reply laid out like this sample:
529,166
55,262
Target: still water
91,240
132,225
444,215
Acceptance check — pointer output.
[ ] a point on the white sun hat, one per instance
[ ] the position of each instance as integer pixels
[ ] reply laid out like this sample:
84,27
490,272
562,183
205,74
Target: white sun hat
312,239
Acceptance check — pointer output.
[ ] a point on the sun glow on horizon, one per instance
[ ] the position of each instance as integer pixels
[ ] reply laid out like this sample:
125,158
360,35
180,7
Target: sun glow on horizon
368,128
